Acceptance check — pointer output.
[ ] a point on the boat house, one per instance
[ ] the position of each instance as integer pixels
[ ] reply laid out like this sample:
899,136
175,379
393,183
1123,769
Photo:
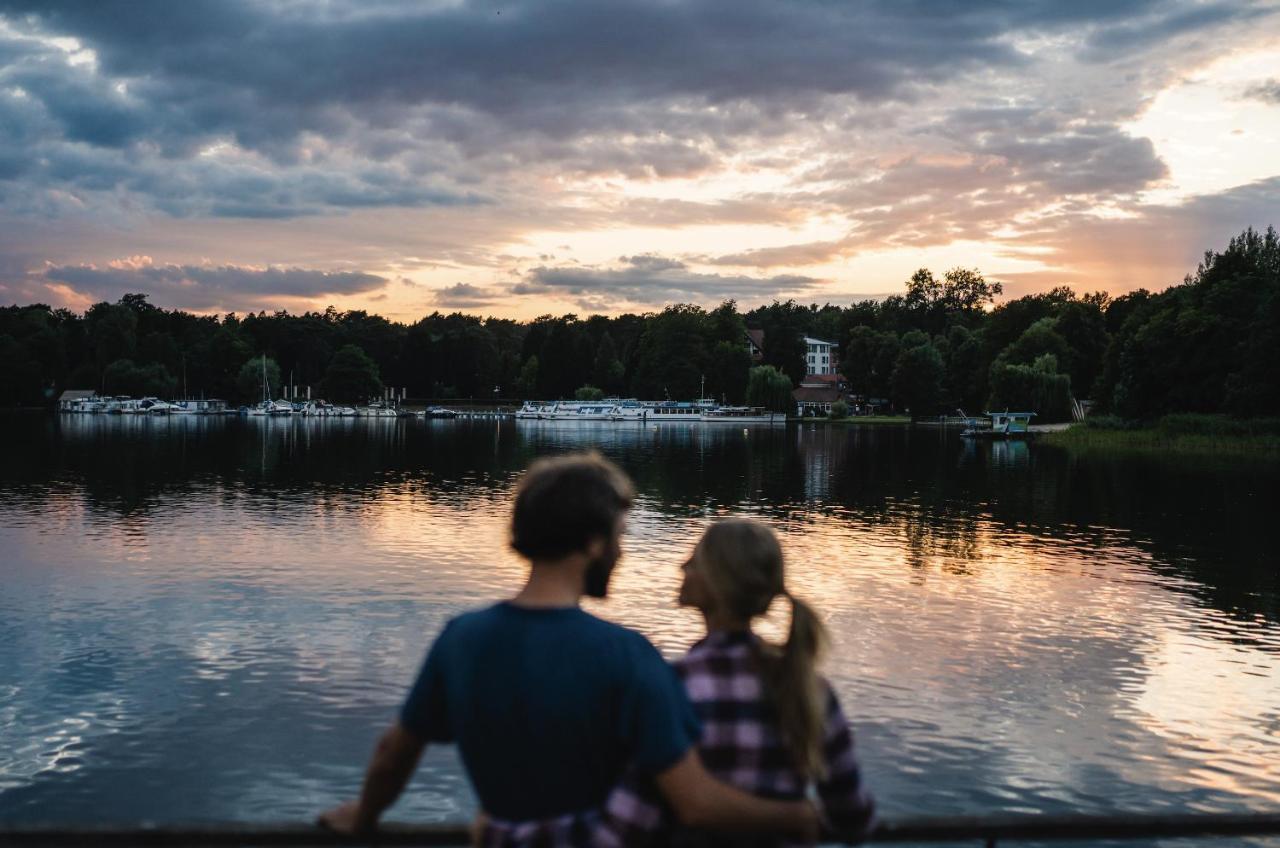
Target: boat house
72,400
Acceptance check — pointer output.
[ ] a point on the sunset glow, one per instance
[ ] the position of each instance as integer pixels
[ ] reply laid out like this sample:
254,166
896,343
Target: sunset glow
569,157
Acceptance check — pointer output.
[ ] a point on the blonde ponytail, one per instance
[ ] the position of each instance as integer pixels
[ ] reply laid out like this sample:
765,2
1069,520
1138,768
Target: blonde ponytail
742,562
797,692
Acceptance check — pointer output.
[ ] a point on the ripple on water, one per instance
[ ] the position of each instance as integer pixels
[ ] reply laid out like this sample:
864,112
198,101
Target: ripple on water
224,639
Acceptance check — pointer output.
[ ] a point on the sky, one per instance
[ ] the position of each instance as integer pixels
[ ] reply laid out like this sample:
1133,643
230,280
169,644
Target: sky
554,156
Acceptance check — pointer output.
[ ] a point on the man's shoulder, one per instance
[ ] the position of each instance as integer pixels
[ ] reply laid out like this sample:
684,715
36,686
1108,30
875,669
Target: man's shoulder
504,613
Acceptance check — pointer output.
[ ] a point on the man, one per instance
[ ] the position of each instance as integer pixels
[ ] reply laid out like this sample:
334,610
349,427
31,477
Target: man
548,704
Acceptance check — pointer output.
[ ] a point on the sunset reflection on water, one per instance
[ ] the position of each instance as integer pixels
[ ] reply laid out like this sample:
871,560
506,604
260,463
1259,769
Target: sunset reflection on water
1004,636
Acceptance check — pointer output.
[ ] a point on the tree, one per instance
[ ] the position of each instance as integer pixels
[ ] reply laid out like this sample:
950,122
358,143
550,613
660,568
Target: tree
352,376
1035,387
607,371
125,377
588,392
917,379
672,358
727,373
770,388
249,380
839,409
527,382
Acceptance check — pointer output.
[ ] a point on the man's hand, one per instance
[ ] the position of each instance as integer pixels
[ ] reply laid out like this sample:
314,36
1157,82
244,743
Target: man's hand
699,800
813,825
393,762
347,819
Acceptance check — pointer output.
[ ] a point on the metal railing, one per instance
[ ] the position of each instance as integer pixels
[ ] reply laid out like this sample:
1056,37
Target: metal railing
989,830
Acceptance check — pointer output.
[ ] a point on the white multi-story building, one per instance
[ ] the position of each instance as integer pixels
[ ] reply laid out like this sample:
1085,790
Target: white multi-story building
821,356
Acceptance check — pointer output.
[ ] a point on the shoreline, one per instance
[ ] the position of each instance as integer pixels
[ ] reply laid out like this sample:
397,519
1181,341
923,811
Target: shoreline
854,421
1156,440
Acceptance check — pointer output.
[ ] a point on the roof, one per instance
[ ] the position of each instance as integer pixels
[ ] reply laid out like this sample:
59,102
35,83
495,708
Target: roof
77,394
814,394
821,380
757,337
812,340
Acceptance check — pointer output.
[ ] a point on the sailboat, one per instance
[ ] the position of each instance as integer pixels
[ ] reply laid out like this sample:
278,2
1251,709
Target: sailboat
267,406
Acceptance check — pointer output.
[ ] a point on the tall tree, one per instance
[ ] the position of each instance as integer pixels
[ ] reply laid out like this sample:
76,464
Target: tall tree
352,377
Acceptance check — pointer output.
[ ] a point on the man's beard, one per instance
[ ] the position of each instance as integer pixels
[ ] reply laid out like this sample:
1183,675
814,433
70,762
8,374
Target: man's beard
595,581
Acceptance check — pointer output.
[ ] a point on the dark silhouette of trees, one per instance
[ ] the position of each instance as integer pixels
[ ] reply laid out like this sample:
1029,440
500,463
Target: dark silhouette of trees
1207,345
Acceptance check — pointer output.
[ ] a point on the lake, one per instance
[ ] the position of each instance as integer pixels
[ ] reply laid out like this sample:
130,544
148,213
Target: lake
212,619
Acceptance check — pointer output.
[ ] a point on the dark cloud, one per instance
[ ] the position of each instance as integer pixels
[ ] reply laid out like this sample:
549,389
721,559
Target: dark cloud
654,280
465,296
453,99
1165,23
1268,91
203,287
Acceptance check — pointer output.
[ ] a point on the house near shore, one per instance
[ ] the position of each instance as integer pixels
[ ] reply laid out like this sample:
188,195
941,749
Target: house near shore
755,345
71,399
816,394
820,358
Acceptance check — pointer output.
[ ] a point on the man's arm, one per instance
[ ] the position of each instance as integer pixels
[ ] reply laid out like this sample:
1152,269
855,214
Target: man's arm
699,800
392,764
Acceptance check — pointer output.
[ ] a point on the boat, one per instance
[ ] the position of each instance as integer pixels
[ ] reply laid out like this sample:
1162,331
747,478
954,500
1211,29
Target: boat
742,415
377,409
676,411
439,412
1002,425
582,411
533,409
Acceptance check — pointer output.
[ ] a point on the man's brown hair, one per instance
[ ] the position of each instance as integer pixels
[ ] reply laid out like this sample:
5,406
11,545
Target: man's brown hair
564,502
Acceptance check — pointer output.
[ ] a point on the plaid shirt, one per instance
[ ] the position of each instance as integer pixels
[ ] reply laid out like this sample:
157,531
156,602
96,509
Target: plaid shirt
740,745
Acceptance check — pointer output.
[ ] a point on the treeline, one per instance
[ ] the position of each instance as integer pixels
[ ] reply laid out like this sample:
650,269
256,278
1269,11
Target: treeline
1207,345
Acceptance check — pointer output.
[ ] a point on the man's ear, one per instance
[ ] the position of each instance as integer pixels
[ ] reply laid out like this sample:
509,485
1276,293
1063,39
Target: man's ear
596,548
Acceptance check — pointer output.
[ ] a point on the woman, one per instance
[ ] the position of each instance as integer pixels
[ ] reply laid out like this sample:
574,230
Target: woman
770,724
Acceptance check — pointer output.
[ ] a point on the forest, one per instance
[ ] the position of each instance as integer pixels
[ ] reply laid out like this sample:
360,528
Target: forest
945,343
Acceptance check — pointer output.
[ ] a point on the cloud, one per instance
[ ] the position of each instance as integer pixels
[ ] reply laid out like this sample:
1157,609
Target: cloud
809,253
458,140
303,108
654,280
205,288
1268,91
1152,250
465,296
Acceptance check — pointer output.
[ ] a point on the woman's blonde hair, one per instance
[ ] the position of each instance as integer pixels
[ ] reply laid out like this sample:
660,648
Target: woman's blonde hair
742,563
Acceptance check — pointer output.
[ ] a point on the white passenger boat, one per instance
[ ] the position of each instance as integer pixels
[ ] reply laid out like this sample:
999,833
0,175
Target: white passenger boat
533,409
582,411
676,411
742,415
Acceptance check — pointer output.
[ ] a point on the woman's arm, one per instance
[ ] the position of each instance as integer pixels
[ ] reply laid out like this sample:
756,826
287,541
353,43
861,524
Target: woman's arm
847,802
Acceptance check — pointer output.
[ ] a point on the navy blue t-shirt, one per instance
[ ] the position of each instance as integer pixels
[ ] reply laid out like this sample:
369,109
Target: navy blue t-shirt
548,707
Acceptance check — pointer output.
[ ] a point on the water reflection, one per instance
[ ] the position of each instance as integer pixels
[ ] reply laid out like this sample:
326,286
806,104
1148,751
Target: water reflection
210,618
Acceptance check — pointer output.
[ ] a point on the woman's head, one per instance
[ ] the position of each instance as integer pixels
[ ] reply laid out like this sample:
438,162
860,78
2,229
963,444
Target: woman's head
735,571
734,574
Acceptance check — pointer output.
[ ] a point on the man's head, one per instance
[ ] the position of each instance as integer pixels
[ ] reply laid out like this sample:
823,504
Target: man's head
572,506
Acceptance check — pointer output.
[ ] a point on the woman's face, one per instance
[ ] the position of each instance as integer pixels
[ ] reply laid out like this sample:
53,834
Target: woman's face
694,591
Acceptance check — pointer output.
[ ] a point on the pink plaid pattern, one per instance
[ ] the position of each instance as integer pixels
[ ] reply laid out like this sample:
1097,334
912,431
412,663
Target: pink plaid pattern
740,745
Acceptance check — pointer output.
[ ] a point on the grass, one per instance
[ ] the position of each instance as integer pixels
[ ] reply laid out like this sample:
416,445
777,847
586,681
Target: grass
1182,433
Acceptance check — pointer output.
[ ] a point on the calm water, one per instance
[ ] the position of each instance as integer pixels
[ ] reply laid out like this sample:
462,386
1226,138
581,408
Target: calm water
212,619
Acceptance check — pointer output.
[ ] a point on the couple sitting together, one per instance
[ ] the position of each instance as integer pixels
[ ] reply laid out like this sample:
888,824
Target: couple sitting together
574,731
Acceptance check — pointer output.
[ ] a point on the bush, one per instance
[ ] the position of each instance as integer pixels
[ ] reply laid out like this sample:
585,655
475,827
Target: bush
588,392
1196,424
1111,422
839,409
